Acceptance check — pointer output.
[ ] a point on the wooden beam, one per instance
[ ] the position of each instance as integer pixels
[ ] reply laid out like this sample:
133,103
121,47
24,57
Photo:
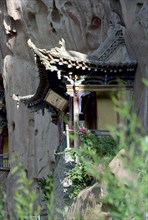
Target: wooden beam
97,88
76,118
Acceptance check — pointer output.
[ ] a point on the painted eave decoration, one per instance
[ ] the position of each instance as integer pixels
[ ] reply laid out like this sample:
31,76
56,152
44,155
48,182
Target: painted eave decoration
59,69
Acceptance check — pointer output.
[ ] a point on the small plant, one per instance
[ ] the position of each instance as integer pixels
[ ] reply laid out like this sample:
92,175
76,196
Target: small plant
46,185
25,196
2,204
92,149
103,145
80,178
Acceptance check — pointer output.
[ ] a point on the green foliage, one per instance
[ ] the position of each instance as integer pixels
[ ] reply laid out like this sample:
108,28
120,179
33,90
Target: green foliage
123,199
2,204
92,149
80,178
102,145
130,201
25,196
145,81
46,185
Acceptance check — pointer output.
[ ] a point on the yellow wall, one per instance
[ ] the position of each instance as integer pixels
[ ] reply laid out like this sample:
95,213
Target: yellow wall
5,145
106,114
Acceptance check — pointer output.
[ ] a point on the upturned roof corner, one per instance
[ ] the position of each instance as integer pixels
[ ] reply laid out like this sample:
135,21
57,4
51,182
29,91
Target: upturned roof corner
113,51
112,61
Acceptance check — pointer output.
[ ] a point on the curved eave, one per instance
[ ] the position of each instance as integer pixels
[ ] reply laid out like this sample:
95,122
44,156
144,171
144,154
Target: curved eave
42,87
61,59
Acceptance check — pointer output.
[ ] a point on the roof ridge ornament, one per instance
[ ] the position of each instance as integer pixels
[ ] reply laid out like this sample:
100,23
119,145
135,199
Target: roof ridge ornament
62,44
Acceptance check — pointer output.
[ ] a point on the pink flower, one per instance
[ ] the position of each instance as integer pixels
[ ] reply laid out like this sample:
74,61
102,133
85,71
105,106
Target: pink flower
80,129
83,130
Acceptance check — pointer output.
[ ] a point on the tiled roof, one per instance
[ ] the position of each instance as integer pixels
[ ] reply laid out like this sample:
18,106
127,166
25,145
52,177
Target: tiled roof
112,60
98,59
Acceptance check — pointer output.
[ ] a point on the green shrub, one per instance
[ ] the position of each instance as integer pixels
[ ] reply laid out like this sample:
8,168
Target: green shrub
91,151
2,204
103,145
123,201
25,196
46,185
80,178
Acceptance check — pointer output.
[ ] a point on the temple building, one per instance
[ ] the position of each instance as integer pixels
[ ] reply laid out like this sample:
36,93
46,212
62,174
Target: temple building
81,85
77,90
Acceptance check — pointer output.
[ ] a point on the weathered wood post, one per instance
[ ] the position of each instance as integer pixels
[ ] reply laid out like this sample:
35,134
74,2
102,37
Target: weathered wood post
76,119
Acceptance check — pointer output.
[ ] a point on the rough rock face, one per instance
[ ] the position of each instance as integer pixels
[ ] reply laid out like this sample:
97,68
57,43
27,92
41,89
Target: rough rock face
83,25
87,205
117,168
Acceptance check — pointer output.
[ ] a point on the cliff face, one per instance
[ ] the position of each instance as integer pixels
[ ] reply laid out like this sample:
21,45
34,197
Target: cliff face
83,25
